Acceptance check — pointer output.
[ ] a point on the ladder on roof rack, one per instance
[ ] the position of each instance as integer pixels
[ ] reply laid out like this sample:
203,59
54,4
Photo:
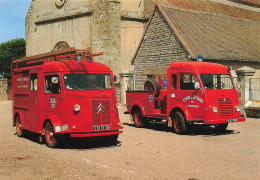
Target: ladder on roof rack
62,55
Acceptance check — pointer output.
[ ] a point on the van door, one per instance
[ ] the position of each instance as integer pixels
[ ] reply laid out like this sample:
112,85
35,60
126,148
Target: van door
53,98
32,114
192,99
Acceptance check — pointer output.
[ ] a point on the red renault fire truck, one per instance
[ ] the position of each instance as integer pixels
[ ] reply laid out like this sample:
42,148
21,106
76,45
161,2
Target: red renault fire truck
196,92
64,92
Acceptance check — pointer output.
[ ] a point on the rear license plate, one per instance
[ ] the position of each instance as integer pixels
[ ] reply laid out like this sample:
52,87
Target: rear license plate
231,120
99,128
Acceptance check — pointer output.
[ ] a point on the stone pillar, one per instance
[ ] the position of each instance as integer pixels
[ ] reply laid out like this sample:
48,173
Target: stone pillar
124,80
243,75
3,89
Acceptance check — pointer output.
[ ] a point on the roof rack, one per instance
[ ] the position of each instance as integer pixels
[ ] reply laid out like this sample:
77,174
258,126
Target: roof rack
62,55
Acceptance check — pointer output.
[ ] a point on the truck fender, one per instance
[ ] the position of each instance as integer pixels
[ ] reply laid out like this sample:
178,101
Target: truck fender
140,106
54,122
18,113
182,108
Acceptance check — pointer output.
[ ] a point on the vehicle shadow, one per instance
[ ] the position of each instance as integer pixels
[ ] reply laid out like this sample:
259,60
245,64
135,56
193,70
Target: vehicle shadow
76,143
193,130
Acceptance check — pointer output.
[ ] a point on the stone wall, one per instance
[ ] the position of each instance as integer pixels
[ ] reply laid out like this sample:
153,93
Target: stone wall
3,89
158,49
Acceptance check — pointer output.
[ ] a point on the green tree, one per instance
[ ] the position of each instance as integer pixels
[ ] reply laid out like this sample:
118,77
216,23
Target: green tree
14,48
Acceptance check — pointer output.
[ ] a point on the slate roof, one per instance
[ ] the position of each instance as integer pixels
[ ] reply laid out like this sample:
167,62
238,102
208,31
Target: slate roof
215,36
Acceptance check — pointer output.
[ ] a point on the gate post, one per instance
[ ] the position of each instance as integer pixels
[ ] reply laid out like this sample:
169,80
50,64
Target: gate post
3,89
243,75
124,80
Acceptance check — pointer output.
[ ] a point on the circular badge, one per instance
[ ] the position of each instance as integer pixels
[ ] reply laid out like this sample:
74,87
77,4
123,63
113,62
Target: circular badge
60,3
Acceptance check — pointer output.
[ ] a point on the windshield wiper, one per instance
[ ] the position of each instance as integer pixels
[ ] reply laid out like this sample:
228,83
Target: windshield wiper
75,87
95,86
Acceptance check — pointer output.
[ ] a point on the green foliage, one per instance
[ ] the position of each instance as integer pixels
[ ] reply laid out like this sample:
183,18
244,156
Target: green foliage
14,48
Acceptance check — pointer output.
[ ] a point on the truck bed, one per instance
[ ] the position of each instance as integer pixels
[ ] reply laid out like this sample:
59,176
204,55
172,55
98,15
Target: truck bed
144,100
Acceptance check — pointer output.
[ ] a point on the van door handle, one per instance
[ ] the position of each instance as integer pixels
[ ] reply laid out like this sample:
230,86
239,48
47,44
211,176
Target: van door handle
36,100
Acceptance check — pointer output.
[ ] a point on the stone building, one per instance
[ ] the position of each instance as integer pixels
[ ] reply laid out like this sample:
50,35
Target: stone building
116,27
175,33
110,26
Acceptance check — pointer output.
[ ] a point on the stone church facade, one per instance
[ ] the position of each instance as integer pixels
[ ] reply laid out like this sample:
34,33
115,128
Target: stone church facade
110,26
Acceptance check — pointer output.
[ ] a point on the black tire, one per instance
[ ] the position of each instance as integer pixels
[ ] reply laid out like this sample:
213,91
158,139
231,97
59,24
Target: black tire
138,119
179,123
221,127
152,85
50,136
19,130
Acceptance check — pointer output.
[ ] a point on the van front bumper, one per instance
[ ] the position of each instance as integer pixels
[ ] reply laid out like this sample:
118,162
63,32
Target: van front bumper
103,133
222,121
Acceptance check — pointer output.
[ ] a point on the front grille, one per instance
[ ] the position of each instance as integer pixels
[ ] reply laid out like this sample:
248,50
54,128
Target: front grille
100,111
225,107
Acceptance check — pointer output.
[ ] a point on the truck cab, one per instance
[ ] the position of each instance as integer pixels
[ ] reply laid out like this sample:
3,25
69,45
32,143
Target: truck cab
196,92
63,94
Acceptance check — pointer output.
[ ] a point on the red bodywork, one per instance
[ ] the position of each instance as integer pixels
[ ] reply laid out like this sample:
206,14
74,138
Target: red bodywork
195,104
98,114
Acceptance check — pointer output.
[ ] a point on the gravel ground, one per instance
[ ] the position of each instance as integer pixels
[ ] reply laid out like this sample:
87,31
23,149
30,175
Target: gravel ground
148,153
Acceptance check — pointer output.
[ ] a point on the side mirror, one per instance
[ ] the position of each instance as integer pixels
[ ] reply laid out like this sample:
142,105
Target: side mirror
115,78
197,85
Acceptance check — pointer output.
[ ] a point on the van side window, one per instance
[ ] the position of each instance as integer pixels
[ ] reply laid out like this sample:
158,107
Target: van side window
33,82
51,84
174,82
187,81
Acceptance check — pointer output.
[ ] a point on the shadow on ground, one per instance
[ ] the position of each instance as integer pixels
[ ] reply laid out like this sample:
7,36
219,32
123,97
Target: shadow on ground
194,130
90,143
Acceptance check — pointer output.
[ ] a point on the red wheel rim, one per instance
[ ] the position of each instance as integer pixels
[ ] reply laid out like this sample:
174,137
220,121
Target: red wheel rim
137,118
18,126
50,134
177,123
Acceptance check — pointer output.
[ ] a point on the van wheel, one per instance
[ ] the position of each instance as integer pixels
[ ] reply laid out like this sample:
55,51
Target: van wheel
179,123
221,127
19,130
50,137
152,85
138,119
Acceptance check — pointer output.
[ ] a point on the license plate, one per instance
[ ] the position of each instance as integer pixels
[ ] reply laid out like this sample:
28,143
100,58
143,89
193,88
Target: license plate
99,128
231,120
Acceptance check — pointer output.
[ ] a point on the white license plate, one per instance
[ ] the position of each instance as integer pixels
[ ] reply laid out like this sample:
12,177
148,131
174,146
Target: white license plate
99,128
231,120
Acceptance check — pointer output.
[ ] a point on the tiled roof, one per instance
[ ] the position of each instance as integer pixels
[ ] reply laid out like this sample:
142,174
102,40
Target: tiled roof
215,36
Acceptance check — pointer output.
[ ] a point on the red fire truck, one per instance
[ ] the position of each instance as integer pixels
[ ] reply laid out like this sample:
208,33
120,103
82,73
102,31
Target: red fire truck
64,92
194,92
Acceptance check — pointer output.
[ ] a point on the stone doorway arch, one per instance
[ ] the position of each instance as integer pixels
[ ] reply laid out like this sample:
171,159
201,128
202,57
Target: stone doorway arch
60,46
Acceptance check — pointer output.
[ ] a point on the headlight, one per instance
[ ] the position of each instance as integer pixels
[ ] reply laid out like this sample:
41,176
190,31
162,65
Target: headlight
118,105
215,109
77,108
238,108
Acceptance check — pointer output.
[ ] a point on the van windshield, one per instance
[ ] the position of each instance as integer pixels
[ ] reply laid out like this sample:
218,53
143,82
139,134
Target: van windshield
217,81
87,81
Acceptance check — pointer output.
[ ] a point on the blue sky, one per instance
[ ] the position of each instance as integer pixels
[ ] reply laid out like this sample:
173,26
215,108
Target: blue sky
12,19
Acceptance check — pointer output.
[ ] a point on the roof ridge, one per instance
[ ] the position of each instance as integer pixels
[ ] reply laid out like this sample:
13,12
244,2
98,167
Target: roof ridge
206,13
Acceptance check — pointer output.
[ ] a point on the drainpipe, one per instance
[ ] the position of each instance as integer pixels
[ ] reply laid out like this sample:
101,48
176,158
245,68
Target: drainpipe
133,67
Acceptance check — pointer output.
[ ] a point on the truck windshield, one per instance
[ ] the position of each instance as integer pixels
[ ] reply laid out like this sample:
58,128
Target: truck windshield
217,81
87,81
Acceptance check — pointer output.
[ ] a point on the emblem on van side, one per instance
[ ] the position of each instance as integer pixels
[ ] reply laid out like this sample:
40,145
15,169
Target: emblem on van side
150,98
53,102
